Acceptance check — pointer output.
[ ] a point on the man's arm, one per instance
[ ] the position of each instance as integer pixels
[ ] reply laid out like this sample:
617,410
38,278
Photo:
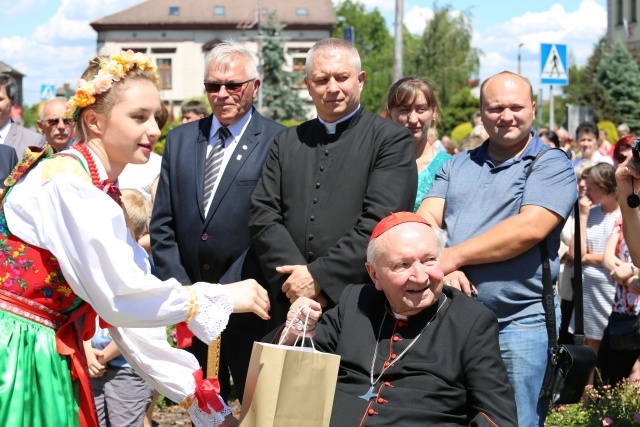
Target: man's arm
164,247
488,388
506,240
271,239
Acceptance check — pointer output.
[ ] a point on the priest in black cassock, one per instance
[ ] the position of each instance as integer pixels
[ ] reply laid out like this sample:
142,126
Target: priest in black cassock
413,352
325,185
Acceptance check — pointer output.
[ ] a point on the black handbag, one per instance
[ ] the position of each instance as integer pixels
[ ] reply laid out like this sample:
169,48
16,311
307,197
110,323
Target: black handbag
624,331
570,365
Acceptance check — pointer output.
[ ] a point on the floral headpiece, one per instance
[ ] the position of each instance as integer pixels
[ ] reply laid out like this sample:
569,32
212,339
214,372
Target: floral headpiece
111,71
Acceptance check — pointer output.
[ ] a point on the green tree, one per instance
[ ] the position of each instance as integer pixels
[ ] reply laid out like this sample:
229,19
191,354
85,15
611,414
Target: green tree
619,75
30,116
459,111
584,88
280,100
445,54
375,45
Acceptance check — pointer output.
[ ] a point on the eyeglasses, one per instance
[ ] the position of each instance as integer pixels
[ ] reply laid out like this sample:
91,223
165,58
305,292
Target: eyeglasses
212,87
54,122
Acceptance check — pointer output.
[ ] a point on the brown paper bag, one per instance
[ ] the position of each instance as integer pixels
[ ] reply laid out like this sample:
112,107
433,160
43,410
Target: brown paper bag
289,387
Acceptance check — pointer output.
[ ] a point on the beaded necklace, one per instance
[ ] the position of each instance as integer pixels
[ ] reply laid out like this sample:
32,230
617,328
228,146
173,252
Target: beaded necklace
107,186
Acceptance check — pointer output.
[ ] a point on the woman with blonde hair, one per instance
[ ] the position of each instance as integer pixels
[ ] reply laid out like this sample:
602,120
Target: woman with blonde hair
67,255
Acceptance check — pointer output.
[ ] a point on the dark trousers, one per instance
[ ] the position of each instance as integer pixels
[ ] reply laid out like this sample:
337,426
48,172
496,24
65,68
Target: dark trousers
613,365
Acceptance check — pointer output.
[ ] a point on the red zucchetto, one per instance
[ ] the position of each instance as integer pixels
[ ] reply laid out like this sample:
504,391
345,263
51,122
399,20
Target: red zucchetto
394,219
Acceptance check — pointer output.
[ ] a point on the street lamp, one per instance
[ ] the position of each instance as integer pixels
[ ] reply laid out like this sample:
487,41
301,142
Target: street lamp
519,66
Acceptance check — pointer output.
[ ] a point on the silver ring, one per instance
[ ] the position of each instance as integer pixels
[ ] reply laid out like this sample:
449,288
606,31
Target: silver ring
299,325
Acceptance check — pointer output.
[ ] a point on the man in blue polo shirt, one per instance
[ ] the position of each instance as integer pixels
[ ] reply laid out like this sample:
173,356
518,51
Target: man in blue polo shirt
495,216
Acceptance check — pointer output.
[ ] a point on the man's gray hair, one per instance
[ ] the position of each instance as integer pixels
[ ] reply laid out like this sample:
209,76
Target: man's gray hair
10,86
225,53
330,44
373,250
48,103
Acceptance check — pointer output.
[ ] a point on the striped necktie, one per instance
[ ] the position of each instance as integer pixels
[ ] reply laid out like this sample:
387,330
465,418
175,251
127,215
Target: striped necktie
213,165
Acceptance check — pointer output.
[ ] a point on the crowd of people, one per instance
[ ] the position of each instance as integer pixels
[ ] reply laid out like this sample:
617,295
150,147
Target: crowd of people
414,260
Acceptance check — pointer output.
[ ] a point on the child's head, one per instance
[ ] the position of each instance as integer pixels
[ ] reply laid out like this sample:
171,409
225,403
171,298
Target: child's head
138,210
587,138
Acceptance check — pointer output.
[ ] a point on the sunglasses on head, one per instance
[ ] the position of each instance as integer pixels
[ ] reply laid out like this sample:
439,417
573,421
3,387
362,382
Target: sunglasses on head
54,122
212,87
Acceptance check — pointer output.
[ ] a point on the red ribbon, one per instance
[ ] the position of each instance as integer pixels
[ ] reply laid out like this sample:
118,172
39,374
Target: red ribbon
113,191
207,392
184,335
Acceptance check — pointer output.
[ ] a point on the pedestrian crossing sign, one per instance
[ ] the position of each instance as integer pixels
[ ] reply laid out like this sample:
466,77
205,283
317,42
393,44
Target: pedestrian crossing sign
553,64
47,92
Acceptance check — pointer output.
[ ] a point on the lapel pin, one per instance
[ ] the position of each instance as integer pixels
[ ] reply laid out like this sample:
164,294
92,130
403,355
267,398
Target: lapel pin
239,157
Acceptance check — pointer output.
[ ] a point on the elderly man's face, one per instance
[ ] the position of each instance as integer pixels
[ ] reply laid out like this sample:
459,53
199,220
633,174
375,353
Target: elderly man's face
230,105
507,110
407,267
334,85
55,126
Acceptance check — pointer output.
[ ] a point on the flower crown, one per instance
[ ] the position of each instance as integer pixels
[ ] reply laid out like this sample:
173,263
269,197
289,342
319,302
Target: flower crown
111,70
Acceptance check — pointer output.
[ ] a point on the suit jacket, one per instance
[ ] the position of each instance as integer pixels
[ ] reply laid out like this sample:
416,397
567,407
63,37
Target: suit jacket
20,138
8,160
216,248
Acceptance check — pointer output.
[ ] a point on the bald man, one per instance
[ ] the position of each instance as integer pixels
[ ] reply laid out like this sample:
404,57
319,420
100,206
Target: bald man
54,125
496,213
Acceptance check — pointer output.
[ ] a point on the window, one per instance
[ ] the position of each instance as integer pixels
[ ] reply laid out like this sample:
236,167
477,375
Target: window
218,10
299,72
619,12
164,71
634,11
174,10
163,50
136,49
302,11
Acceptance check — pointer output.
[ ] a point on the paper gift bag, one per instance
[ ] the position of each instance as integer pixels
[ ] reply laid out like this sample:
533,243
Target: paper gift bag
289,387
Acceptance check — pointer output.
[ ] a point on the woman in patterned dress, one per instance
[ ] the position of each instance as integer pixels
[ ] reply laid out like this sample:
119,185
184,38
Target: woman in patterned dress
412,103
66,253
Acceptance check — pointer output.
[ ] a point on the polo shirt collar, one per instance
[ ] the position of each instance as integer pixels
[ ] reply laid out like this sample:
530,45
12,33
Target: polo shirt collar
534,146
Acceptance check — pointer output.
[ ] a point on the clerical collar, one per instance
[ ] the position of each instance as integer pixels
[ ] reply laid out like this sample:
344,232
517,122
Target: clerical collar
398,316
331,127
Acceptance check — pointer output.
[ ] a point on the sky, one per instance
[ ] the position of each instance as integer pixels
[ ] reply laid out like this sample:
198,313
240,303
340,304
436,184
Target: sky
51,41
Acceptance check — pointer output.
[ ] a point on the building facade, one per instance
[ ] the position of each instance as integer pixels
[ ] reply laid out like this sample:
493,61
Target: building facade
623,22
178,35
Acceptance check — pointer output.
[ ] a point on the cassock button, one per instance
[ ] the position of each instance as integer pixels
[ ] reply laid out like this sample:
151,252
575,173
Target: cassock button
386,363
321,168
326,152
205,267
204,237
396,338
317,185
372,412
393,356
401,323
310,236
388,384
310,254
381,400
312,218
315,201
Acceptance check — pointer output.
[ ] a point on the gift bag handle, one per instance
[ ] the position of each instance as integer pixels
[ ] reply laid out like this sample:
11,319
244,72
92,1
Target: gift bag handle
304,333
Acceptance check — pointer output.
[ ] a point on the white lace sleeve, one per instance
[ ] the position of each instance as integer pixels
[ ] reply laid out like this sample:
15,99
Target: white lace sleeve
209,311
202,419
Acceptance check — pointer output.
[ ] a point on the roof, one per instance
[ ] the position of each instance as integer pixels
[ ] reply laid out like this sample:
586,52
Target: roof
193,14
4,68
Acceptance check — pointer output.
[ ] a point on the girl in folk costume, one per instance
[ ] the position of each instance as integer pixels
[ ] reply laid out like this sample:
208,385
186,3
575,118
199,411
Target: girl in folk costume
66,254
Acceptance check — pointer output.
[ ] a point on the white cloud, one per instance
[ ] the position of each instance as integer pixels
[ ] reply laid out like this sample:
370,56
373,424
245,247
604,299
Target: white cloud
416,18
579,30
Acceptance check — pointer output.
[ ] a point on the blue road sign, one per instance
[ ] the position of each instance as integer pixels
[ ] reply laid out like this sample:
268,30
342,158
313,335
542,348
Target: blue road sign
553,64
47,92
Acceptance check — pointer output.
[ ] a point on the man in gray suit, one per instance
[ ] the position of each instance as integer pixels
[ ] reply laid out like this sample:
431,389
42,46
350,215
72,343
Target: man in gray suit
200,222
12,134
